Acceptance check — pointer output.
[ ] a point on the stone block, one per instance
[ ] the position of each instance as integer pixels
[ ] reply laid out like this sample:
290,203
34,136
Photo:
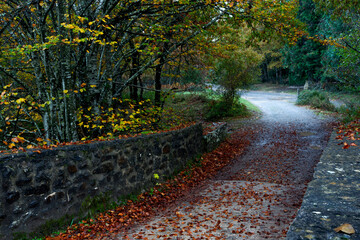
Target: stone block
37,190
12,197
23,181
105,167
166,149
72,169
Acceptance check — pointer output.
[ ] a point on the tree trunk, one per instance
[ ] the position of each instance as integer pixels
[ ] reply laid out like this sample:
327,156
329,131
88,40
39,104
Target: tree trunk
158,83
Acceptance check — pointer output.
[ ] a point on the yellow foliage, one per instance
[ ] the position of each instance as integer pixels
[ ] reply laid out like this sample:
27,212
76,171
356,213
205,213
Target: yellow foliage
20,100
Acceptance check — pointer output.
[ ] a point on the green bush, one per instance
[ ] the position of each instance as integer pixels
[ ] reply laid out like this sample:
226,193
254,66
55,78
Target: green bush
219,109
316,99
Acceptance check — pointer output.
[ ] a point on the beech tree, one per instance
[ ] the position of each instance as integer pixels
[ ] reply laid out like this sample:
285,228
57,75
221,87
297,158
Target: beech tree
62,60
238,66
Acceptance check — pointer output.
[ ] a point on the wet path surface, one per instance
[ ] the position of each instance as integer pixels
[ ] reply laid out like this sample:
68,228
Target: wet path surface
258,194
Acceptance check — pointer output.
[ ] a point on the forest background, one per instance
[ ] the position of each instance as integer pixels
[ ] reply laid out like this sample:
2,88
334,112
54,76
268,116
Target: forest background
84,70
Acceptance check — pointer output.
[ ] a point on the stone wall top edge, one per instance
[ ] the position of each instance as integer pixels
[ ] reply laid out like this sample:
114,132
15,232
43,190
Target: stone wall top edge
89,146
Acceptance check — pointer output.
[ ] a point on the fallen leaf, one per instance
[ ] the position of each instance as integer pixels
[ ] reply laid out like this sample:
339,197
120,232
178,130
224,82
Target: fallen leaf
345,228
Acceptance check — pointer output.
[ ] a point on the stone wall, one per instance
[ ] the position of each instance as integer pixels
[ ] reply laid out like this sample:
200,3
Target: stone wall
217,135
47,185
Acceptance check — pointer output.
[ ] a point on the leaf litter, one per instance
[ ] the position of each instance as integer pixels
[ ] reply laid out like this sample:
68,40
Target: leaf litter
254,196
107,224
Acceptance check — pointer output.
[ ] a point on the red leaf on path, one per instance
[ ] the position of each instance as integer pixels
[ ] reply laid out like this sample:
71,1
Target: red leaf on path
217,224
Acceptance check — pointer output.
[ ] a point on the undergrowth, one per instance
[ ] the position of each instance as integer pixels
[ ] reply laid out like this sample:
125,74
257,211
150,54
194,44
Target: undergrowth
350,112
315,99
207,107
52,226
190,106
219,109
90,208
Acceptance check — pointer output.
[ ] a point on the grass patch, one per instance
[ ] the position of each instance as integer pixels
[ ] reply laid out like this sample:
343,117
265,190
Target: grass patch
249,105
207,106
315,99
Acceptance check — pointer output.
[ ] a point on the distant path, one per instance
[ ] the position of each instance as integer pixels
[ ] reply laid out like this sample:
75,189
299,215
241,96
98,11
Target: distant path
280,108
258,195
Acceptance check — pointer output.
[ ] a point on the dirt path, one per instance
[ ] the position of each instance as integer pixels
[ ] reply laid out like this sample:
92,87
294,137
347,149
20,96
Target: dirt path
257,196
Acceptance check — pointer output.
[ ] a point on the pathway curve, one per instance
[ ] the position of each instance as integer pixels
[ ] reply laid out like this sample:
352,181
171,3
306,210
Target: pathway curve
258,194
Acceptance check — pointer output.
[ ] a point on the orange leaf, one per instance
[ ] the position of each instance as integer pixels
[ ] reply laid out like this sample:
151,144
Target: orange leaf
345,228
11,145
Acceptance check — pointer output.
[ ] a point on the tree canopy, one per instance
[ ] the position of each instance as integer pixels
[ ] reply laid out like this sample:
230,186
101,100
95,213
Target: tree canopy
66,66
328,55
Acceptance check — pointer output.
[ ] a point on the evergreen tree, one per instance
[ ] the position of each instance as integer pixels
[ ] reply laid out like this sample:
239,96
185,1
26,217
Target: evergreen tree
341,64
304,59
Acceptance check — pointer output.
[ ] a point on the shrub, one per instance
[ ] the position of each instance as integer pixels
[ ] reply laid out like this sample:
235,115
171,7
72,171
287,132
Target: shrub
235,73
316,99
219,109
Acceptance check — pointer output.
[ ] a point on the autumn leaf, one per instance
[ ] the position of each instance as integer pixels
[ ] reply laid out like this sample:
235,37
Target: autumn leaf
20,100
346,146
18,139
345,228
11,145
